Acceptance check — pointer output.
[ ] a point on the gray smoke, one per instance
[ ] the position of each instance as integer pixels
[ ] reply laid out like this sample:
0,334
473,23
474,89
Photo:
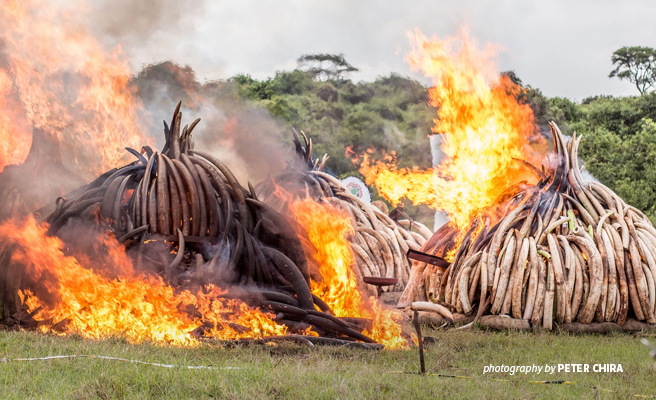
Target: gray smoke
138,20
245,137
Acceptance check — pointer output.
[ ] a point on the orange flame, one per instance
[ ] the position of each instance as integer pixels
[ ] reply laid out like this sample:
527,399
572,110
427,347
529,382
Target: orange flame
137,307
14,135
68,86
328,229
483,128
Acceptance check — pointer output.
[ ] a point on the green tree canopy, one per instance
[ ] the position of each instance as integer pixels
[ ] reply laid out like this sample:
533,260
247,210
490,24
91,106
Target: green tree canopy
637,65
325,66
627,164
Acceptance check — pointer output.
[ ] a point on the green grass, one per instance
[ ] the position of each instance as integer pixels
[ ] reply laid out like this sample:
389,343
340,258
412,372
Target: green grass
296,372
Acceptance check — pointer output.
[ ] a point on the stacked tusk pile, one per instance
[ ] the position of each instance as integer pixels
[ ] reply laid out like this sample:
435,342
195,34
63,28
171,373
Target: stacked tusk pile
183,211
566,250
379,243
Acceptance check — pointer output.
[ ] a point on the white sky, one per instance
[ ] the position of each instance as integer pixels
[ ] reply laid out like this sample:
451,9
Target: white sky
562,47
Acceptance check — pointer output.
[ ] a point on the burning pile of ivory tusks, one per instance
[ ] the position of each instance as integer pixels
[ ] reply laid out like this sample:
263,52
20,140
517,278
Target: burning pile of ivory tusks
379,243
567,251
184,212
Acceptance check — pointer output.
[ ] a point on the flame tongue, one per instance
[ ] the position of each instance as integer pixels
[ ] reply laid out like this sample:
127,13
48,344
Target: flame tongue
67,85
483,127
328,228
15,141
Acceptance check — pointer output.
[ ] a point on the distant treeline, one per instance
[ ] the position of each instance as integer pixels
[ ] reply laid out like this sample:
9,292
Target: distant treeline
392,114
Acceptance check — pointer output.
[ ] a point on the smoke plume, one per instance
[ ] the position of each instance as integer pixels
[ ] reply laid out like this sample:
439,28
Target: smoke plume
130,20
245,137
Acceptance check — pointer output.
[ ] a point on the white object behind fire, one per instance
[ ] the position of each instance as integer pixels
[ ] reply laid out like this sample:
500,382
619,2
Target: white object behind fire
437,155
357,188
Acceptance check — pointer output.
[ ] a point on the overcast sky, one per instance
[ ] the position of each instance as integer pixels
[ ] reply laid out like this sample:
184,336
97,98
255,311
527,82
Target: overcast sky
562,47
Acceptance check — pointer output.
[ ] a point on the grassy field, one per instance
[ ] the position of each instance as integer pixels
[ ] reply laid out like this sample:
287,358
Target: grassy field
297,372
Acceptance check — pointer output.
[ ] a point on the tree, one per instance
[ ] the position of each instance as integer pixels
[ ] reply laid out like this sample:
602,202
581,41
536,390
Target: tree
512,75
316,65
544,108
637,65
627,165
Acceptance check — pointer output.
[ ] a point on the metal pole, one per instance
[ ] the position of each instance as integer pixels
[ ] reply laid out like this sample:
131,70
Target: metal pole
420,340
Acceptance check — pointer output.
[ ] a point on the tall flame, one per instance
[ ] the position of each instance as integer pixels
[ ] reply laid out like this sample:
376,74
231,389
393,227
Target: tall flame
137,307
483,128
67,84
328,229
14,138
